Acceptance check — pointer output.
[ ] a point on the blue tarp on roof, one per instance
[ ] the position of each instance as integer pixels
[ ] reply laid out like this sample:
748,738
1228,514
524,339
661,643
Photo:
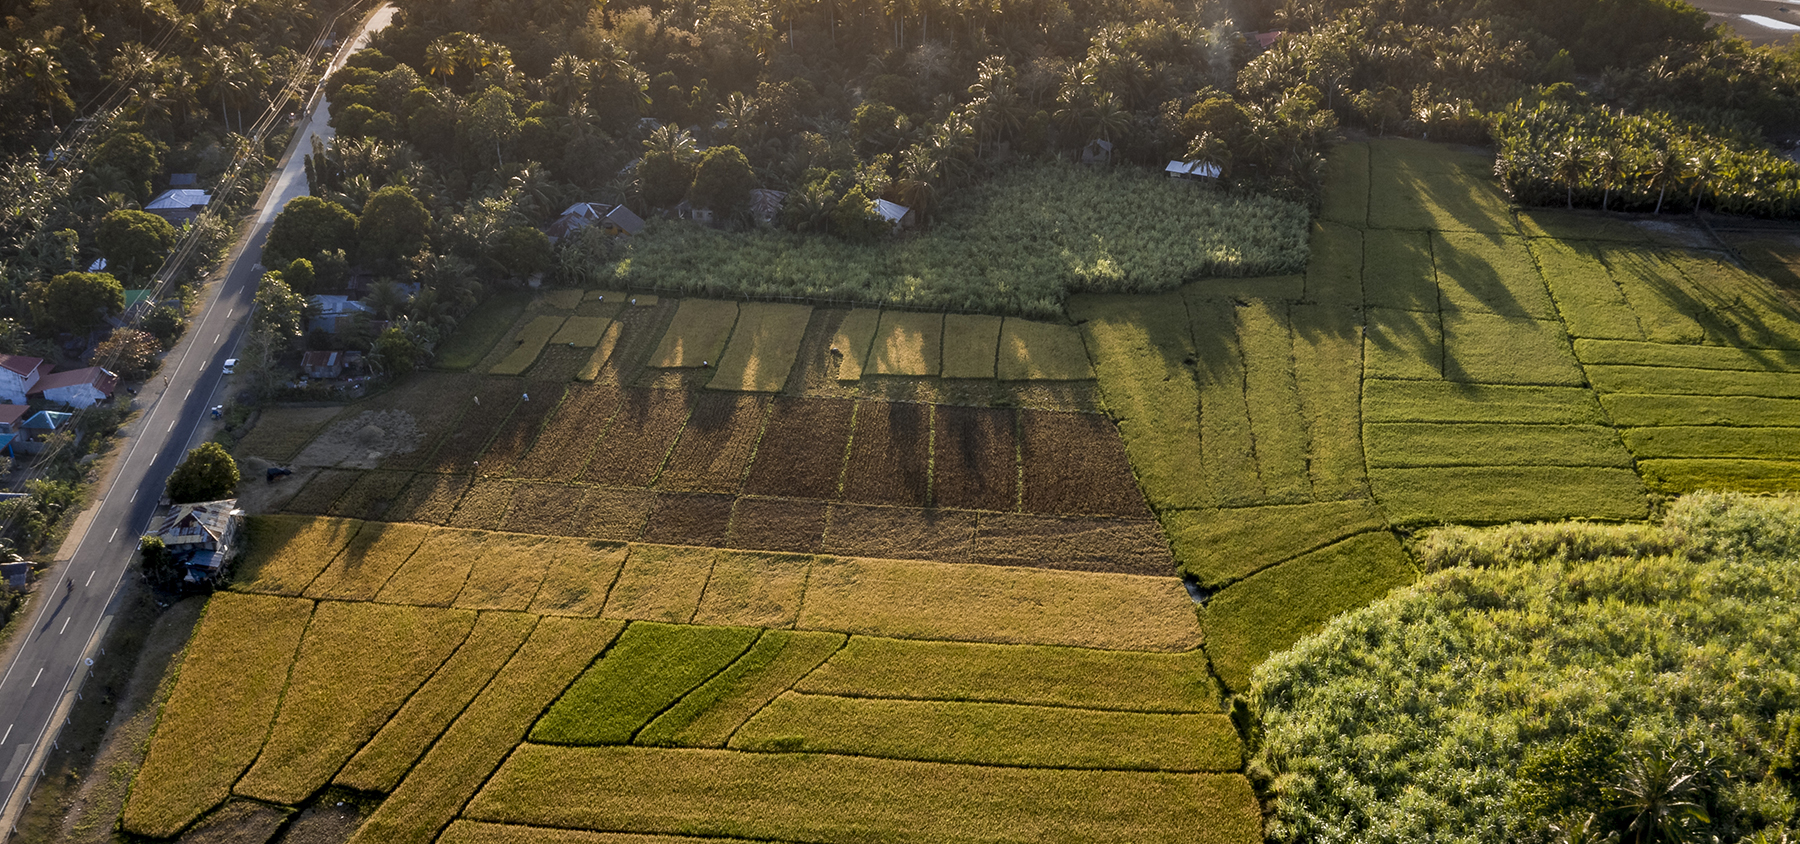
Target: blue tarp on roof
47,420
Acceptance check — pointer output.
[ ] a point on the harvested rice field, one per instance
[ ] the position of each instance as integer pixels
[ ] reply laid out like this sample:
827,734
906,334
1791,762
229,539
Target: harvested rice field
741,571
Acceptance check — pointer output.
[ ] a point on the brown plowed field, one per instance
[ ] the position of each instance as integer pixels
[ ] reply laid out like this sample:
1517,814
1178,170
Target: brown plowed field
890,453
616,514
485,505
548,509
1126,546
1075,463
430,498
716,444
323,491
976,465
434,400
371,495
458,450
641,433
802,448
559,363
683,519
515,437
562,449
900,533
774,524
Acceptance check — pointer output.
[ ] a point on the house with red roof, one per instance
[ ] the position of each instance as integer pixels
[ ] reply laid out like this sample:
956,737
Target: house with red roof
19,375
78,387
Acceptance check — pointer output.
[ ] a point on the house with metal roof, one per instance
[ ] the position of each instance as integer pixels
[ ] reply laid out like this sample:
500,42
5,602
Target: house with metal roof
897,215
202,536
1192,170
78,387
179,205
19,376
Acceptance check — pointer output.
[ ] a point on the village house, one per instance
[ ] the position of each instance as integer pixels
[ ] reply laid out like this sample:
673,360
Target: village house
19,376
12,418
1192,170
35,431
179,205
202,536
897,215
322,364
765,205
613,219
78,388
334,312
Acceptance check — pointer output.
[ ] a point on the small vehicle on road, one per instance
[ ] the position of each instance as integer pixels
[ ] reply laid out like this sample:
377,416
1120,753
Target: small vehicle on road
230,365
274,472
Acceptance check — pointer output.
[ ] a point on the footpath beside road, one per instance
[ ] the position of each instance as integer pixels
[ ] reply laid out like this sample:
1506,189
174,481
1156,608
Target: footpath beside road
78,595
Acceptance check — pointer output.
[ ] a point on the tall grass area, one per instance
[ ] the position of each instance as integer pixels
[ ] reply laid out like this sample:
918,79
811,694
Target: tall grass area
1019,244
1555,683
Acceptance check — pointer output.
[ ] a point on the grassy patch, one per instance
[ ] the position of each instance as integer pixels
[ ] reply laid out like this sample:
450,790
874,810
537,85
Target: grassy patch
1657,293
1347,173
615,514
214,722
697,335
580,574
660,583
1283,289
1026,674
1683,475
1076,463
1417,185
855,335
807,797
762,348
562,448
1403,345
971,344
544,508
507,572
907,343
371,495
1489,349
890,454
430,498
1414,401
1400,444
1274,608
755,590
582,332
1271,391
532,340
435,573
1590,302
603,351
1397,270
1636,409
476,832
707,716
928,600
1489,273
360,570
1139,344
651,667
485,505
1041,351
281,432
380,764
1693,357
715,447
323,491
975,462
358,663
1328,374
1334,276
513,440
478,332
1216,547
1487,495
1677,381
993,734
1016,244
1227,441
282,554
1710,441
689,519
438,787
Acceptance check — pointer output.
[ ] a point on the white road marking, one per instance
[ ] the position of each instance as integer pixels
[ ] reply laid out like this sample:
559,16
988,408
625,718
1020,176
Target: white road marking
65,627
8,734
188,393
1771,23
171,425
35,677
228,312
115,535
133,496
90,580
216,337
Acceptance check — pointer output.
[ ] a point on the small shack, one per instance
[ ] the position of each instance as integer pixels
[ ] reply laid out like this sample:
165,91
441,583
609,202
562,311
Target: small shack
1192,170
1098,151
322,364
765,205
78,387
621,220
897,215
202,536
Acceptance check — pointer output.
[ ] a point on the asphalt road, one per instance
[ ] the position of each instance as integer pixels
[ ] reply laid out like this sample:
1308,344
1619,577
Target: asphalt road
1774,13
77,597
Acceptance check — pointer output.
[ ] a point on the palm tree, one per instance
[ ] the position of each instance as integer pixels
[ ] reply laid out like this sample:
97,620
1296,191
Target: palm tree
1608,165
1661,795
567,80
1702,168
1664,169
1569,163
440,59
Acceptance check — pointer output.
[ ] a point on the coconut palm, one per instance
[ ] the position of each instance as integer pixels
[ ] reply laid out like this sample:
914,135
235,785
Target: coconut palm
1608,167
440,59
1702,168
1661,796
1569,163
1664,169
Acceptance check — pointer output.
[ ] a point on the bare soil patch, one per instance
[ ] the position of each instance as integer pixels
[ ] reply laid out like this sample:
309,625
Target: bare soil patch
323,491
681,519
890,455
640,436
560,363
802,448
899,533
548,509
483,413
1133,546
281,432
536,400
430,498
364,440
257,494
562,450
238,822
775,524
716,444
371,495
976,459
1075,463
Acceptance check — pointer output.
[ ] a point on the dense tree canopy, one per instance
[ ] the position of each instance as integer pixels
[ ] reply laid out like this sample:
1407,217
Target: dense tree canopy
207,473
307,226
76,302
394,226
134,242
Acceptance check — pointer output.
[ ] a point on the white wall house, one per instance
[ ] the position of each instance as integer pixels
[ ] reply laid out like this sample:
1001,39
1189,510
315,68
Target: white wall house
78,387
19,375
